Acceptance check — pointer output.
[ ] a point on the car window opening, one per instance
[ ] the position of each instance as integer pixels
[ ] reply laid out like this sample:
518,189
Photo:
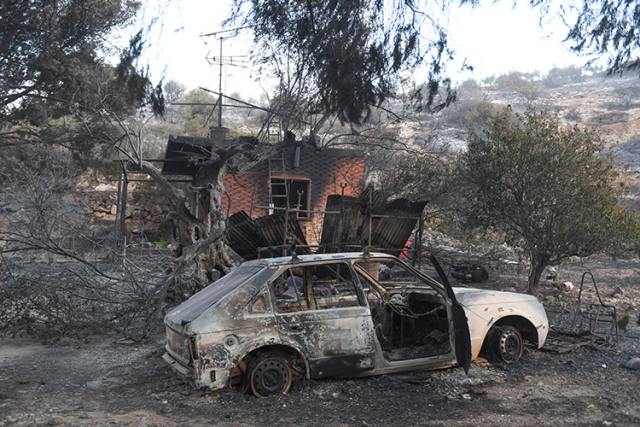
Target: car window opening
319,287
409,323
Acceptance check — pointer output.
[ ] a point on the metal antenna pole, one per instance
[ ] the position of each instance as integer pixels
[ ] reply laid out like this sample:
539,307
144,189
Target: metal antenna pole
220,90
221,62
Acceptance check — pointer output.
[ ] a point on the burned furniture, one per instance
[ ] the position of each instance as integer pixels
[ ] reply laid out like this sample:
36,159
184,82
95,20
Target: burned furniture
590,322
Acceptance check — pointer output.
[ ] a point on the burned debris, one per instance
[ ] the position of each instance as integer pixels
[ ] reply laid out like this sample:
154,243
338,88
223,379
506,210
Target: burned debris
589,322
469,273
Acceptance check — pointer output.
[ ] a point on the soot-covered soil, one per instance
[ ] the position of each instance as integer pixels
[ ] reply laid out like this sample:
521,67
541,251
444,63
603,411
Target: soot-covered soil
109,382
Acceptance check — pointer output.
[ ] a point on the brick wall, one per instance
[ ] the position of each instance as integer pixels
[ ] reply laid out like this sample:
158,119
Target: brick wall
327,170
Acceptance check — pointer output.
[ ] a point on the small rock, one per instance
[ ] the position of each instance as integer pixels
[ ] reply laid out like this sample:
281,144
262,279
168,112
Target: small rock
552,274
633,364
567,286
155,210
52,422
617,292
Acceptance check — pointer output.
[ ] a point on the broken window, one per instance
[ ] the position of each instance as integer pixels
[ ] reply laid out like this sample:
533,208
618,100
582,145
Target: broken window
394,274
333,286
299,194
289,290
319,287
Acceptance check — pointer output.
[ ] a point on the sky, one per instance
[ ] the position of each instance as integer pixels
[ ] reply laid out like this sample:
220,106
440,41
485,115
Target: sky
497,39
494,39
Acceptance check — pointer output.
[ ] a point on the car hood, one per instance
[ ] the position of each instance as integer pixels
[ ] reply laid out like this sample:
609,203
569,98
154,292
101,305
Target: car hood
469,297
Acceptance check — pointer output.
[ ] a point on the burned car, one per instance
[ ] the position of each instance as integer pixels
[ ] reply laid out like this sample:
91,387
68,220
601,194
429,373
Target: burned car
341,315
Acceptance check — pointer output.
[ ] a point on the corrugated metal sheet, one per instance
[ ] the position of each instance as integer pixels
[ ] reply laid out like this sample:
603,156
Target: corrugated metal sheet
245,235
352,224
342,227
389,232
393,231
184,153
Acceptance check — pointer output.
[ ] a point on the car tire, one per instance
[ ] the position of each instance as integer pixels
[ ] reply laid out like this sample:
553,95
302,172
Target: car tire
505,345
268,374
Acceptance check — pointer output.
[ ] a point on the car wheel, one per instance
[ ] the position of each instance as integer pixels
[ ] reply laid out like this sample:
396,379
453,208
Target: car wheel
268,374
505,344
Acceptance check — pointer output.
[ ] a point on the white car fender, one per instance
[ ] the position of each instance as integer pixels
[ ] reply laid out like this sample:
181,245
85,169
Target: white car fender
485,308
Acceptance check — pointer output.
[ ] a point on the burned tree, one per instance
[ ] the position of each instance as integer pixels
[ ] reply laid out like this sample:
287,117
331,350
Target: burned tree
200,249
61,276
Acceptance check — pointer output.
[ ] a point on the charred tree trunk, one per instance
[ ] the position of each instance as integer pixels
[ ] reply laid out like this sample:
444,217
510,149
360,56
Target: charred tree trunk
203,223
202,220
538,264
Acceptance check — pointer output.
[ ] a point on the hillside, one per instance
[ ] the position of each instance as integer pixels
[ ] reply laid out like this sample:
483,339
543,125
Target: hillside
609,105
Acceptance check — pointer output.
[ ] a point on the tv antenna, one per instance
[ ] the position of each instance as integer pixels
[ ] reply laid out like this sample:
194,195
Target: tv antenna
230,60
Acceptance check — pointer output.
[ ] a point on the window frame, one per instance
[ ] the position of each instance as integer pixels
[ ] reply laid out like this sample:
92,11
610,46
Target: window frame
305,201
310,302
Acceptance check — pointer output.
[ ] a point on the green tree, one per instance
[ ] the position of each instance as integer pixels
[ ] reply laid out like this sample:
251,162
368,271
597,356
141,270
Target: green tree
468,113
199,112
352,52
174,90
558,76
51,58
524,83
556,188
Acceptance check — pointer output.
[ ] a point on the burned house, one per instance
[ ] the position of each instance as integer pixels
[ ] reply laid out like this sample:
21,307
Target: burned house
297,181
320,195
300,180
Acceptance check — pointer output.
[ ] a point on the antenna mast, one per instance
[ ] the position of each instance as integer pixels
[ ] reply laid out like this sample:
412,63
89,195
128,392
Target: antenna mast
229,60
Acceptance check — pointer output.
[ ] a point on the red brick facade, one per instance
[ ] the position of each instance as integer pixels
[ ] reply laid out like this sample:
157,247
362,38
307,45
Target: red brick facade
326,172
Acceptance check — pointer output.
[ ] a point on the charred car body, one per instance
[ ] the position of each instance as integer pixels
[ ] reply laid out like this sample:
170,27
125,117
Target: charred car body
341,315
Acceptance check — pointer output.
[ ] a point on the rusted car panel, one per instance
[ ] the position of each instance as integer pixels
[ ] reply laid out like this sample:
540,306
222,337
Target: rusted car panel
339,315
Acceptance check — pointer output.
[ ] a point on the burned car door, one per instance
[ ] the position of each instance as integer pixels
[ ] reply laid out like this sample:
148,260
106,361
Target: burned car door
460,321
321,310
414,316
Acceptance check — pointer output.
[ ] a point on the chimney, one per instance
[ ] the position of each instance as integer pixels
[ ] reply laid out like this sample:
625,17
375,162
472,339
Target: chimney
220,136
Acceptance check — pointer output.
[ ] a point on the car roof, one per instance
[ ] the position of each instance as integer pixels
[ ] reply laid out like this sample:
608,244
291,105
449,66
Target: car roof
322,257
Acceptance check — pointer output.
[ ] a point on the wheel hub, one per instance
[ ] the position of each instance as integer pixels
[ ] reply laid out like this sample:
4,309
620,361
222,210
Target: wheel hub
271,376
510,346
